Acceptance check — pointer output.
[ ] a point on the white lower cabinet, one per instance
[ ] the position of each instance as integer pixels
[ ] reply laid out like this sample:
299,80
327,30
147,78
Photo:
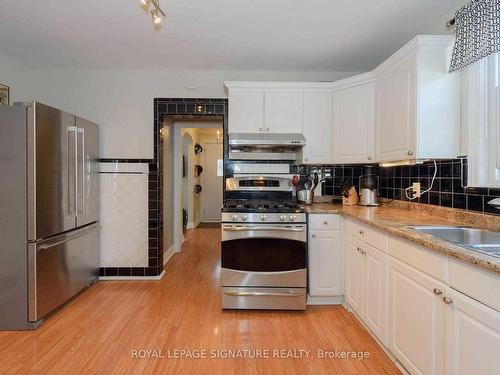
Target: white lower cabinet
325,262
472,336
404,294
353,274
375,291
366,284
416,319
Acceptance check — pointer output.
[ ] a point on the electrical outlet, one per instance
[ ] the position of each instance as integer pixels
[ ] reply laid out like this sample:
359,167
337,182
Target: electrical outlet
416,189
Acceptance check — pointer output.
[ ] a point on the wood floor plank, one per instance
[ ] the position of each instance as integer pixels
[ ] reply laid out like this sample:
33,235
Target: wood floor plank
97,332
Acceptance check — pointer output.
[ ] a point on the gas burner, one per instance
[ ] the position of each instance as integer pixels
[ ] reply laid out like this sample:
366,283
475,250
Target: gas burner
259,205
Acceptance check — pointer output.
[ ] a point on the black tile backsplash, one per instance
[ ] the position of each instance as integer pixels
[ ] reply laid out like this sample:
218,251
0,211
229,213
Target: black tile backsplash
447,190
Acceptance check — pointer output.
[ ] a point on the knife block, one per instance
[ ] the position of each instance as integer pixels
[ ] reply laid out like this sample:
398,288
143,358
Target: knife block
352,199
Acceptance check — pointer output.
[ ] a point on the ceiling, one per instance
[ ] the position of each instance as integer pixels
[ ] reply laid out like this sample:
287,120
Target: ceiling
281,35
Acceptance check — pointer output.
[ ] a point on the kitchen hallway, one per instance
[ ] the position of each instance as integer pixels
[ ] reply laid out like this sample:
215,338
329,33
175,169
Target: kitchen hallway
142,327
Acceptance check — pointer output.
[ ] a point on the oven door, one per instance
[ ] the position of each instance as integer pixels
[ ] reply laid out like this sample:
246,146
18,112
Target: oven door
269,255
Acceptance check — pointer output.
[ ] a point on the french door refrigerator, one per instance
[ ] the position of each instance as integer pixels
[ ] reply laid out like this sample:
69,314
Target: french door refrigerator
49,199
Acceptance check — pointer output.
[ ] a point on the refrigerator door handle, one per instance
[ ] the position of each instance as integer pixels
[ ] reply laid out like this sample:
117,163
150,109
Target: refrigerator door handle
72,169
67,237
81,154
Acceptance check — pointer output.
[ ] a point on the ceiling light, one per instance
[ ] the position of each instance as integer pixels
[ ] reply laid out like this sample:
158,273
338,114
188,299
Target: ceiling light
155,17
153,6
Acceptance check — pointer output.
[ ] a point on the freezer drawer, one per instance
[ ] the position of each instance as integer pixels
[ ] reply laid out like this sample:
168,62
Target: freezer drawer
61,267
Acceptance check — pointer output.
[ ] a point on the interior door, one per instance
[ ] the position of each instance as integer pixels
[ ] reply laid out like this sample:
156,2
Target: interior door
87,172
51,171
212,181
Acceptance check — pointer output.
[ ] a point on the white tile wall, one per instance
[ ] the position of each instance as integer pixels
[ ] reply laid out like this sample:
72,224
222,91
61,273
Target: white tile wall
124,219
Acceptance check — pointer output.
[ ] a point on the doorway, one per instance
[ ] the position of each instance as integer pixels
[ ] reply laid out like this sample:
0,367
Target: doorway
192,174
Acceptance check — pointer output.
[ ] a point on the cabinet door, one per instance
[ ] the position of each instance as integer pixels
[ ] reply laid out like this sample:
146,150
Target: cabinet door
317,126
354,124
472,336
325,264
375,291
353,273
282,111
246,111
396,119
416,319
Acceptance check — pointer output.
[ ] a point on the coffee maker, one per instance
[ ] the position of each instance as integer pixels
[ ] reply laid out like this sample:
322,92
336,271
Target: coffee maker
368,185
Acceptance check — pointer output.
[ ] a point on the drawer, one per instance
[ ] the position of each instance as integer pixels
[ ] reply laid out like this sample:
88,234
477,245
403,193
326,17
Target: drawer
324,222
419,257
264,298
478,284
372,237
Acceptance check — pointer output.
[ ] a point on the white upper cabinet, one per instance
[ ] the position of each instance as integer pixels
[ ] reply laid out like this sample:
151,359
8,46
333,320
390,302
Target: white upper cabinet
418,103
282,110
317,113
354,120
246,111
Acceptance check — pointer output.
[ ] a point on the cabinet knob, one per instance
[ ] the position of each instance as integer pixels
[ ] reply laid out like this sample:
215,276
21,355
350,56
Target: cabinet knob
447,300
369,158
438,291
313,236
361,232
410,153
325,222
260,129
268,129
358,249
306,159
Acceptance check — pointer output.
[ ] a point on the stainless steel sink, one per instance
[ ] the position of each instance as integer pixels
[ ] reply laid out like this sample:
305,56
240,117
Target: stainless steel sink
479,240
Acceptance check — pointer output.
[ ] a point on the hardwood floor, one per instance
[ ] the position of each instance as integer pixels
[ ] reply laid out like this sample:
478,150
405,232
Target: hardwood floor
98,332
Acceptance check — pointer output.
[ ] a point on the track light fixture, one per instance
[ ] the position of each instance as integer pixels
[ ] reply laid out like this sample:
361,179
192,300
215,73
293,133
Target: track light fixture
153,7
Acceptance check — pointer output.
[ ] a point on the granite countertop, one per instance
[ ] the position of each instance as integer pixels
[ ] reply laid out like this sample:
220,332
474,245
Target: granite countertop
395,218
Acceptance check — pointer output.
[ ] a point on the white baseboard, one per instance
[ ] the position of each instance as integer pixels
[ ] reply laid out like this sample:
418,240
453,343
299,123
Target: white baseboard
131,278
167,254
336,300
193,224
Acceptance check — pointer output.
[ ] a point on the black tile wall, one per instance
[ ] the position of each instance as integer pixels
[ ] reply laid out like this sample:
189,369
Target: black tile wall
448,188
163,107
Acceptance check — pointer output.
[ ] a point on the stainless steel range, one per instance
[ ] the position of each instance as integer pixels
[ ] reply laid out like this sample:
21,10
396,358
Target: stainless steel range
264,245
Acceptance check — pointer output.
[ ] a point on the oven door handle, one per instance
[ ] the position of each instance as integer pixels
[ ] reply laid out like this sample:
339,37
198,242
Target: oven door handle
250,229
236,293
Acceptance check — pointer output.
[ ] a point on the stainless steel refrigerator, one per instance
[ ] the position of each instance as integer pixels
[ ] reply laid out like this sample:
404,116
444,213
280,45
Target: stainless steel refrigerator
49,202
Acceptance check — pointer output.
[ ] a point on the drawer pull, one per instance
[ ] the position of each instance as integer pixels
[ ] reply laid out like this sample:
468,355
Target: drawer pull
438,291
447,300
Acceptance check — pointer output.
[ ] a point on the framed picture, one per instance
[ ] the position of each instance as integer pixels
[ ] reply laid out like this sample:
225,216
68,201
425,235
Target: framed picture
4,95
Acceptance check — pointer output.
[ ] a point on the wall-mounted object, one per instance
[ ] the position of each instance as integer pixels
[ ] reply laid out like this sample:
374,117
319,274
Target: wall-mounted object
4,95
197,189
198,170
183,166
197,148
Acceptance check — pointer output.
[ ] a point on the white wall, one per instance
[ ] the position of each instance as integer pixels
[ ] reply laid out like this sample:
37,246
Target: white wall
121,101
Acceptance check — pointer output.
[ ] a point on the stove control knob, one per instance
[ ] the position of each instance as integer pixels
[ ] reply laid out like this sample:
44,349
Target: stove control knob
244,217
235,217
293,217
282,217
262,217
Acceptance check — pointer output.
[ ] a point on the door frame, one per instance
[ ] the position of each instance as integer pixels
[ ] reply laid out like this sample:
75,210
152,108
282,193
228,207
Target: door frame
178,236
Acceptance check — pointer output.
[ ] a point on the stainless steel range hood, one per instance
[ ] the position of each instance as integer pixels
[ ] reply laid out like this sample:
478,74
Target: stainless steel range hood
260,146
